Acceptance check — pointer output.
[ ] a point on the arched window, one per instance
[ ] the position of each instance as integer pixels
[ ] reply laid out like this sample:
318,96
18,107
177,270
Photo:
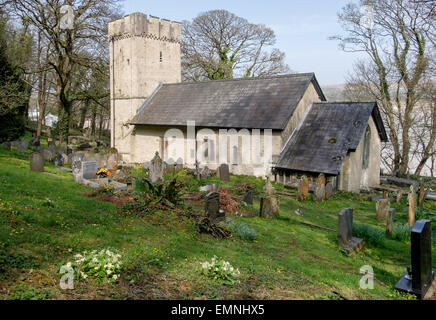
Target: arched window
366,148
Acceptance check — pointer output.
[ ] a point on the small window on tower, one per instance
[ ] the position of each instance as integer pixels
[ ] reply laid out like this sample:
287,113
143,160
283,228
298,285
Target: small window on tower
161,58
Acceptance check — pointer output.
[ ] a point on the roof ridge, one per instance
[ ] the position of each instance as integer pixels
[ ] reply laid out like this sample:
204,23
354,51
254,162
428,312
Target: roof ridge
290,75
343,102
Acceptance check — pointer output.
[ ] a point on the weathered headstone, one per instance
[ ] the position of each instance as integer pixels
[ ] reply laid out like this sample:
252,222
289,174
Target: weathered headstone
303,189
47,154
390,222
36,161
112,159
76,165
411,209
59,160
7,146
329,190
269,207
268,189
319,193
419,278
212,206
421,194
224,173
346,241
249,197
157,169
22,145
400,194
89,169
382,208
205,173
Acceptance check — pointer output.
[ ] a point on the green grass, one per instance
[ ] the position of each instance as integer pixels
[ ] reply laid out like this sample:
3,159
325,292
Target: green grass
44,221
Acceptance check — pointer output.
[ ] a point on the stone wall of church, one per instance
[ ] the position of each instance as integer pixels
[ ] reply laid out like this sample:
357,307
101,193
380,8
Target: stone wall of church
353,177
144,51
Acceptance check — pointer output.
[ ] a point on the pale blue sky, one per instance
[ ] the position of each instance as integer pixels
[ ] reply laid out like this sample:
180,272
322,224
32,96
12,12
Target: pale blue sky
302,28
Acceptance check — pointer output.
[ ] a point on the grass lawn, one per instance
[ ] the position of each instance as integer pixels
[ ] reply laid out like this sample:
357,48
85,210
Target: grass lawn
46,220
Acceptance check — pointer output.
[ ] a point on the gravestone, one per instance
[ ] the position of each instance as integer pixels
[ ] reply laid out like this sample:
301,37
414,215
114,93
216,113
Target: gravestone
36,161
89,169
156,169
268,189
7,146
21,146
419,278
319,193
112,160
212,206
303,189
205,173
224,173
59,160
249,197
400,194
390,222
329,190
47,154
421,194
269,207
411,209
382,208
76,165
346,241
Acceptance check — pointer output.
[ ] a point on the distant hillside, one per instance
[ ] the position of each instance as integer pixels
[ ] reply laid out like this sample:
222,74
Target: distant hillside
334,92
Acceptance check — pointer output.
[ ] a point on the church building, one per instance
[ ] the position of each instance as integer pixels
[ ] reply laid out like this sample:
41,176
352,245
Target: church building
285,121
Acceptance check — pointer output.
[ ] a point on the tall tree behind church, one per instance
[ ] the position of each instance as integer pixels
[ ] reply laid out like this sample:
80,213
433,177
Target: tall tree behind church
220,45
397,36
68,45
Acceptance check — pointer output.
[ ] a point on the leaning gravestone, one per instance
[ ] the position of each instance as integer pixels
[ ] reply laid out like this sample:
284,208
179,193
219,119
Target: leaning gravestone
205,173
390,222
411,210
249,197
346,241
156,169
224,173
47,154
89,169
419,278
400,195
112,159
382,208
36,161
269,207
303,189
320,193
7,146
212,206
421,194
268,189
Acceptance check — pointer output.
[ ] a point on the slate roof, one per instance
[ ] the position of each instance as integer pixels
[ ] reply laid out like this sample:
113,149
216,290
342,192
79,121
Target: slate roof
327,134
253,103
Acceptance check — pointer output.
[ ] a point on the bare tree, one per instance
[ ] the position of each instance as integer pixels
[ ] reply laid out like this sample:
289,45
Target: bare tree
395,39
220,45
86,34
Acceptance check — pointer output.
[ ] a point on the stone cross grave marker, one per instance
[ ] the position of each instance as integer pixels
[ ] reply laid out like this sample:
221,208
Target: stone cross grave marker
320,193
224,172
303,189
411,210
212,206
382,207
112,160
346,241
36,161
419,278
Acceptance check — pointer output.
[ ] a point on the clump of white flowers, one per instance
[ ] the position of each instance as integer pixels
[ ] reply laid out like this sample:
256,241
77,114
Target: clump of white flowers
219,269
104,265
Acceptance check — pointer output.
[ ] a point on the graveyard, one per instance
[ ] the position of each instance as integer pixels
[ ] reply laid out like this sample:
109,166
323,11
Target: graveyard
285,243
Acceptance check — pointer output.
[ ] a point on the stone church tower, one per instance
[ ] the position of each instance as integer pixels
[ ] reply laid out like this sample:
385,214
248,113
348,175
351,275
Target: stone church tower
143,53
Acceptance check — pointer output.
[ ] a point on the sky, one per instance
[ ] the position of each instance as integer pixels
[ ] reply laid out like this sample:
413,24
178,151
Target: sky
302,28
